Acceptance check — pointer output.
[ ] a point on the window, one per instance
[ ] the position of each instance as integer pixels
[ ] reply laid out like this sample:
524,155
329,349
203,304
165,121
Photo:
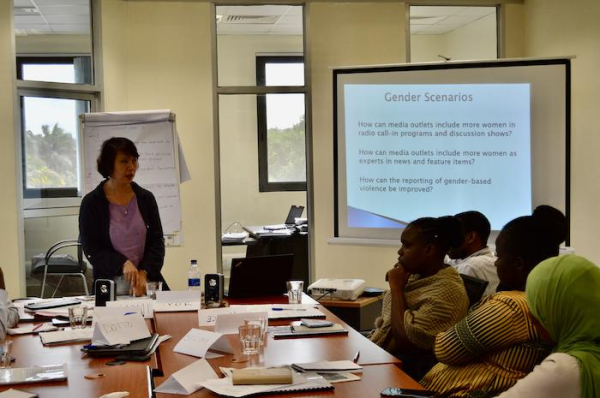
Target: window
55,84
50,145
55,69
281,125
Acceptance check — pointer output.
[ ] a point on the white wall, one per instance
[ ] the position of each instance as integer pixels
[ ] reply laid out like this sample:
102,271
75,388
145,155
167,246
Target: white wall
53,44
346,34
10,233
559,28
157,55
476,40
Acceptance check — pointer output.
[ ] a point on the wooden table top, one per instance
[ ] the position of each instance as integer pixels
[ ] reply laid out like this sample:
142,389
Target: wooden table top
381,369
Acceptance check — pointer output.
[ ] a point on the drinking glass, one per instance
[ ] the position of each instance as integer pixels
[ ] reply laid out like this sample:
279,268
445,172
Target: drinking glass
295,291
250,336
5,357
78,317
152,288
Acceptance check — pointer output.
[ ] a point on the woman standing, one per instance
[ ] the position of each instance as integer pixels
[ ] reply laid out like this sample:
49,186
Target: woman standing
119,224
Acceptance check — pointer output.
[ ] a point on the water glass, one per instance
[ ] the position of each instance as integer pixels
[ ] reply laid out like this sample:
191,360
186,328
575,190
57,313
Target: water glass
152,288
263,323
250,337
295,291
78,317
5,357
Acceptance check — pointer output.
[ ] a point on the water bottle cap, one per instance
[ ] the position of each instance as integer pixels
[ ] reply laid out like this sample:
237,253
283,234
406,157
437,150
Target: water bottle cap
194,262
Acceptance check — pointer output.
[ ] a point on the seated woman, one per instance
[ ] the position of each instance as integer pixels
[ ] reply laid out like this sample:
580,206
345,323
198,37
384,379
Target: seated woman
497,343
119,224
426,296
562,293
9,316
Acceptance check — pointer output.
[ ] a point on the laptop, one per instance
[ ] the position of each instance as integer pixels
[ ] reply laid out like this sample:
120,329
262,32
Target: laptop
295,212
290,221
260,276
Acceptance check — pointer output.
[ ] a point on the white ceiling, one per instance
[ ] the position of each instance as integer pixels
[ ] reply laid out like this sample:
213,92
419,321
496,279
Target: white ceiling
51,17
73,17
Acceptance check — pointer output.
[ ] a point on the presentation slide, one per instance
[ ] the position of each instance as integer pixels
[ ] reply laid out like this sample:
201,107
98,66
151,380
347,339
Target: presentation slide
414,150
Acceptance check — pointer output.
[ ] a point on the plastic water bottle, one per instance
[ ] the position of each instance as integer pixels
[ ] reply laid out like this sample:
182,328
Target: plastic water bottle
194,276
194,280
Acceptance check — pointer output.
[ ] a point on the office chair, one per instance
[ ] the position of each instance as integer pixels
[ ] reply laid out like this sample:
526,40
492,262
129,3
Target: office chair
62,266
475,288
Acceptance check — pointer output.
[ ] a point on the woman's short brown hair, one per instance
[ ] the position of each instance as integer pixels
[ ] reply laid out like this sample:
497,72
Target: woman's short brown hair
108,154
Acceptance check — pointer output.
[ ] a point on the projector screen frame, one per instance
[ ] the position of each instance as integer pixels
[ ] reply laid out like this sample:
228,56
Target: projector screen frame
341,71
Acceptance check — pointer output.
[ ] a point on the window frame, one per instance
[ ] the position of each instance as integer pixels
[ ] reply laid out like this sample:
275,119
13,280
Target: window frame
51,193
52,59
264,185
55,203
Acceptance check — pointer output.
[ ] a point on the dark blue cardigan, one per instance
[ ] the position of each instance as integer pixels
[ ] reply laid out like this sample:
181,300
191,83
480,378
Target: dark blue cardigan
94,223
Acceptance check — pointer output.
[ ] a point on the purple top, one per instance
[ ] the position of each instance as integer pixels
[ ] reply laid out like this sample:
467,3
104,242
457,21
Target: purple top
128,230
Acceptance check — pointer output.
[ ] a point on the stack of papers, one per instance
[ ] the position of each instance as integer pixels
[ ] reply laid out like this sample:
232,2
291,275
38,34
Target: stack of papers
34,374
232,237
298,330
327,366
300,382
66,336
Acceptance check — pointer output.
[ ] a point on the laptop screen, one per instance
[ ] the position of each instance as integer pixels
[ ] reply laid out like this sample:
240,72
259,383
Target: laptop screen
260,276
295,212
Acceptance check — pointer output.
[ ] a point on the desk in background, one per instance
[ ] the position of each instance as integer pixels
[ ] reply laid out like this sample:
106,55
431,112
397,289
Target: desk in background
360,313
265,245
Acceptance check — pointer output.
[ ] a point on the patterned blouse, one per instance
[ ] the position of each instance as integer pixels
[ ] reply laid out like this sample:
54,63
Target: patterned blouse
434,304
488,351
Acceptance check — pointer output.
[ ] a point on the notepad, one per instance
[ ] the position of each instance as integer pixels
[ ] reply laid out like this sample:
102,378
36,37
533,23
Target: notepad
328,366
34,374
300,383
298,330
66,336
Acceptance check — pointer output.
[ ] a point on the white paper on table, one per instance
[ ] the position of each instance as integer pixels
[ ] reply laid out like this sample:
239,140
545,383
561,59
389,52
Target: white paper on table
143,306
283,311
324,366
120,330
27,329
229,323
179,306
66,336
208,317
197,341
12,393
187,380
177,296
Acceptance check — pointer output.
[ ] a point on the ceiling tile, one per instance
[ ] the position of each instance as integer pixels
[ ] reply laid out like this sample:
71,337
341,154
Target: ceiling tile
477,11
58,3
23,3
70,29
74,19
28,19
433,11
65,10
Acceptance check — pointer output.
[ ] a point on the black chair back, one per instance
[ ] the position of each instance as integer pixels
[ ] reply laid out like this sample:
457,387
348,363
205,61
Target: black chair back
475,288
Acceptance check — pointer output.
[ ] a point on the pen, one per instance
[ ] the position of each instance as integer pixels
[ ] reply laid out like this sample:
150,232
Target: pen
355,360
39,325
288,309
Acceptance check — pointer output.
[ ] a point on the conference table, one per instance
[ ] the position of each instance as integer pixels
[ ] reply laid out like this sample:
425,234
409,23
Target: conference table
380,369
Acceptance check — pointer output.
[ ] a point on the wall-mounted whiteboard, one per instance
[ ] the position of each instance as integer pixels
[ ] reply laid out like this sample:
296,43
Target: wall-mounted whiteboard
155,137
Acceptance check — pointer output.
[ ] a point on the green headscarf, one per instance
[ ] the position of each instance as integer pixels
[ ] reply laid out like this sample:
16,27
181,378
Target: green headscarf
563,293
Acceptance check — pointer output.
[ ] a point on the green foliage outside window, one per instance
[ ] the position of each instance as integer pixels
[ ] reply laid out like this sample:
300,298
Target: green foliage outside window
287,160
51,158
